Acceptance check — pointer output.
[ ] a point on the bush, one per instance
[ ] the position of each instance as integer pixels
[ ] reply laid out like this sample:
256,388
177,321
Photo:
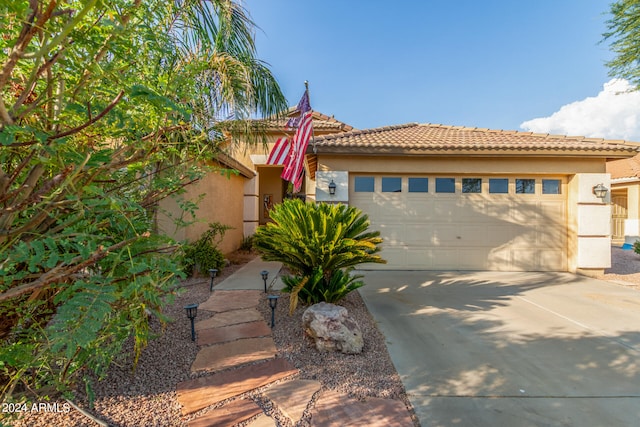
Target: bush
320,244
203,254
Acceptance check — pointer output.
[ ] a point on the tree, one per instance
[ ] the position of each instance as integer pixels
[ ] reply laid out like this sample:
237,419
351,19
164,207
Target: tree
623,32
106,107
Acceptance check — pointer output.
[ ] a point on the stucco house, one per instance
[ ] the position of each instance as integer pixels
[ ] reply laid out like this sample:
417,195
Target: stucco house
240,200
625,200
453,198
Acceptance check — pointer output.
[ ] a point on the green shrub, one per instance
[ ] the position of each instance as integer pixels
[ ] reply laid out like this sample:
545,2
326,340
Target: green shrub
203,254
320,244
315,289
636,246
247,243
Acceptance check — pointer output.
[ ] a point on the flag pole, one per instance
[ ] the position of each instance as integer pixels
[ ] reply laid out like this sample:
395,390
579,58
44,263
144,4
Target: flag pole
313,135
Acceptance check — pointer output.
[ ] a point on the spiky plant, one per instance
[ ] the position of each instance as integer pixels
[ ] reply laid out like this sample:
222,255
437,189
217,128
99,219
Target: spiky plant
317,241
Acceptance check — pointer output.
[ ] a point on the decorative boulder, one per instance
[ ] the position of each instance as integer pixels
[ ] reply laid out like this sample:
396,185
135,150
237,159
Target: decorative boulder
332,329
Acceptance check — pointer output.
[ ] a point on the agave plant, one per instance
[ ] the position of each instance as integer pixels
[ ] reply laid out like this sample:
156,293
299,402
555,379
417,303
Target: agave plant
320,244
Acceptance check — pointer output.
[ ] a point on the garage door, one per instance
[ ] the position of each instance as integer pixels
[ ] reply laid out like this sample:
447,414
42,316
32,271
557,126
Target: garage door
466,223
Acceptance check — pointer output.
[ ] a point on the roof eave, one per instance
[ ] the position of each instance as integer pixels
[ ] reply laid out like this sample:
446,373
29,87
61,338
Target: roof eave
455,152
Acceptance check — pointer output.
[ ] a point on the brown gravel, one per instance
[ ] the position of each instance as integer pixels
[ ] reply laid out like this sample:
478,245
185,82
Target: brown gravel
625,268
146,396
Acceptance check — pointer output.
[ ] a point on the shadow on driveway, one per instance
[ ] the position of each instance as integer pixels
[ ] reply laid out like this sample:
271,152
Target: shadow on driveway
511,349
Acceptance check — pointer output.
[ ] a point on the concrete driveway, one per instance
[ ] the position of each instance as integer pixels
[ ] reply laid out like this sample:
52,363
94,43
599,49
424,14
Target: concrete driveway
511,349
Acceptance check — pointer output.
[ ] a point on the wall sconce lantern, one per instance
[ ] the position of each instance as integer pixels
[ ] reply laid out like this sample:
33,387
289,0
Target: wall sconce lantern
600,191
273,302
332,188
212,273
265,276
192,312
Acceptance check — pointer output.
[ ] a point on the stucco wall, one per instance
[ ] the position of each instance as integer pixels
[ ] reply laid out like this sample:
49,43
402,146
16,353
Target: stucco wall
222,202
460,165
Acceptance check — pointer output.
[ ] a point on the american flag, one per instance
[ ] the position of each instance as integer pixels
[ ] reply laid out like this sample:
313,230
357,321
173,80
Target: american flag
294,169
280,152
303,107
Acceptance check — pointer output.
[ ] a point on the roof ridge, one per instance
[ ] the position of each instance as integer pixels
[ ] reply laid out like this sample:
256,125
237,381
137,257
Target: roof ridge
356,132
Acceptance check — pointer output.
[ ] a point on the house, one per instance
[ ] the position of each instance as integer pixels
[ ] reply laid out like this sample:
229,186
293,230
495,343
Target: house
625,200
450,197
242,200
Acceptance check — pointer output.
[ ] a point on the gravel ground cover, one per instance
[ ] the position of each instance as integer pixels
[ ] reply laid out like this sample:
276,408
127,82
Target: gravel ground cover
146,396
625,268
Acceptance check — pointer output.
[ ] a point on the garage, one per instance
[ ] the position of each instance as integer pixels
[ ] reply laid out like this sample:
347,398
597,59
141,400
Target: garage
458,198
433,222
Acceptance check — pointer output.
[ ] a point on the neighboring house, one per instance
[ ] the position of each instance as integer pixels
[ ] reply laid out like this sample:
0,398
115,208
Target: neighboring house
447,197
625,200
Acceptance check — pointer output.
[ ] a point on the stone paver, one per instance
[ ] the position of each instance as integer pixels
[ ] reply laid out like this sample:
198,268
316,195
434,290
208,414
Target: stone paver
228,318
336,410
292,397
229,415
201,392
222,300
233,332
234,353
263,421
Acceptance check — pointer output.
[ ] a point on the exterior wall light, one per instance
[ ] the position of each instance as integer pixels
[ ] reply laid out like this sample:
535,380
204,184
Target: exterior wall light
212,273
600,191
192,312
332,188
265,276
273,302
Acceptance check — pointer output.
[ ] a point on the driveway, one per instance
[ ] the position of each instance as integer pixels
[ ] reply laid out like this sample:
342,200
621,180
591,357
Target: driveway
511,349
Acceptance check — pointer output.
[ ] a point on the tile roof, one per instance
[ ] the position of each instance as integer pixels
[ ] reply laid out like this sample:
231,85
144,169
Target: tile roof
624,168
415,138
321,122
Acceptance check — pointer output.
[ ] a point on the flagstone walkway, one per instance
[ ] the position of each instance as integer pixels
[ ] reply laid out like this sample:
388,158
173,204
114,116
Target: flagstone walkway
238,355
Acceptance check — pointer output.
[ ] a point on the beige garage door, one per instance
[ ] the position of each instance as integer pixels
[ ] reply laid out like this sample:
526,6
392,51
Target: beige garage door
466,223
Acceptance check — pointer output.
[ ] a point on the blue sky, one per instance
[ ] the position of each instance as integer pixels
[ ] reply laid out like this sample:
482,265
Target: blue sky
491,63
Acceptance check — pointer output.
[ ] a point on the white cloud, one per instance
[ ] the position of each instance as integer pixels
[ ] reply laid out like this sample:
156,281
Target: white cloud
613,114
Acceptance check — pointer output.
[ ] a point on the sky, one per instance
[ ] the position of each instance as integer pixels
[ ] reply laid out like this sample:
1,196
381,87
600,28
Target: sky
534,65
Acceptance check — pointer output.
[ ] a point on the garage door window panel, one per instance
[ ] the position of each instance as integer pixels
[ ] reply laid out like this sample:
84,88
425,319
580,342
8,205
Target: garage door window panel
471,185
445,185
392,185
525,186
418,185
364,184
551,186
499,186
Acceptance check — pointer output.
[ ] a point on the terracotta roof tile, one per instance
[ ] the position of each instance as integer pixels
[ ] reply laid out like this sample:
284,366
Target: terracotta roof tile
320,122
432,138
624,168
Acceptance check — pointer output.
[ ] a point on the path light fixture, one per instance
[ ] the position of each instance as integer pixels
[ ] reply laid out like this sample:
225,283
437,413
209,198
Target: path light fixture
192,312
332,188
600,191
212,273
273,302
265,276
